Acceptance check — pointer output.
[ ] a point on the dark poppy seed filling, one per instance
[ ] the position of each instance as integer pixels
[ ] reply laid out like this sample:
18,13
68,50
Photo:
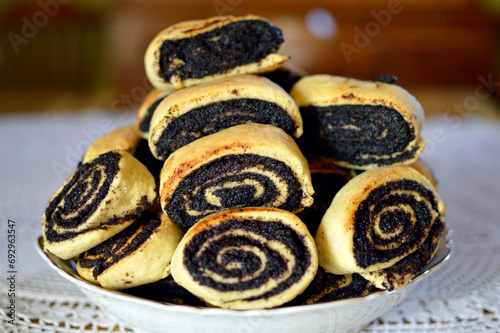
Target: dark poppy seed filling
217,116
283,77
387,78
358,134
234,249
111,251
325,185
327,287
166,290
144,124
415,262
228,184
218,50
396,234
144,155
81,196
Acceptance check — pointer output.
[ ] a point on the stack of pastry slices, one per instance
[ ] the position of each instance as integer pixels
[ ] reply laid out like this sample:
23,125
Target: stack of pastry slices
248,184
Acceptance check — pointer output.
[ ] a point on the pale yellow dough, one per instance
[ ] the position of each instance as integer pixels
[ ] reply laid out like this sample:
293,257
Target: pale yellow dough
263,140
131,189
189,29
335,235
124,138
148,263
245,86
325,90
240,300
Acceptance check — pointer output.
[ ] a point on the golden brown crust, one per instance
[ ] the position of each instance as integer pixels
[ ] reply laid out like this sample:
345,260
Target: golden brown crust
191,28
251,298
336,234
323,90
326,90
263,140
231,88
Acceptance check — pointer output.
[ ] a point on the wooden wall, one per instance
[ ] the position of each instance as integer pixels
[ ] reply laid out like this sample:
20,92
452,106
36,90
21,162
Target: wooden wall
448,42
92,52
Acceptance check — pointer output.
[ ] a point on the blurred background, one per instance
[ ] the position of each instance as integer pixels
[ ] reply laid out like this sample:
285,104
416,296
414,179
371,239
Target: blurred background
81,54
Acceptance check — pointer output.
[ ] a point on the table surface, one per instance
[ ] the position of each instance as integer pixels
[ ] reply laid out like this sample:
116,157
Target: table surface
39,151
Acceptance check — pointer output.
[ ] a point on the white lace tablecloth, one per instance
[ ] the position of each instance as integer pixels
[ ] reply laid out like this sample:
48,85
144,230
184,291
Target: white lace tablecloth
38,152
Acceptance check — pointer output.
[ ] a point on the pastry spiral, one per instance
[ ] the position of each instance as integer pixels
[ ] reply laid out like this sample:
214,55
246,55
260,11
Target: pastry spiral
359,124
247,258
99,200
147,108
191,113
139,254
194,52
399,274
244,165
327,287
377,219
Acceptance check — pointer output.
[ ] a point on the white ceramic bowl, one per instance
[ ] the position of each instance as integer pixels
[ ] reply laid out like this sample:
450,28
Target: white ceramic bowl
144,315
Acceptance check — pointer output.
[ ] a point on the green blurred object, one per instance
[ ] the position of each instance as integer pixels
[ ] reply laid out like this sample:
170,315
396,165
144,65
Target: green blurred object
491,7
52,45
87,5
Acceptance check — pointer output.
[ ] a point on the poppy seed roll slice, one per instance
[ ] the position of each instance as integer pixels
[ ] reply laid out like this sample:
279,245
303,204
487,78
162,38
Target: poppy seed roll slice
378,218
249,258
245,165
138,255
192,113
192,52
358,124
98,200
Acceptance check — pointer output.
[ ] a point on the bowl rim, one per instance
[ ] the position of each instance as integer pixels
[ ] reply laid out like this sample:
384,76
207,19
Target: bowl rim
62,267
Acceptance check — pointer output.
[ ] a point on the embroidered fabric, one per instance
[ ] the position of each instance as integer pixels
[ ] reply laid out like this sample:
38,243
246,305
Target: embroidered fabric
40,151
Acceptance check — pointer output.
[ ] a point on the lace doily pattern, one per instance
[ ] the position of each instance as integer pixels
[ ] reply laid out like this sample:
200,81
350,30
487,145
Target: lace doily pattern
463,296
